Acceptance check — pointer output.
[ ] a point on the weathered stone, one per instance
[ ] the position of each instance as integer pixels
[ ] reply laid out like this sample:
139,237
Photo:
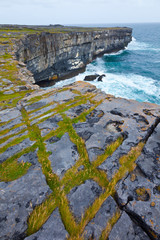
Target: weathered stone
21,64
10,125
127,230
82,87
12,138
42,117
91,77
42,111
52,229
8,92
82,197
8,87
137,193
30,157
94,228
6,80
111,164
63,96
9,114
18,199
76,111
149,161
64,155
35,105
139,198
49,124
15,149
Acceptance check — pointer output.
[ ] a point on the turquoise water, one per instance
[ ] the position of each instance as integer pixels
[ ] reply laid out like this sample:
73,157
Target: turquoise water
133,73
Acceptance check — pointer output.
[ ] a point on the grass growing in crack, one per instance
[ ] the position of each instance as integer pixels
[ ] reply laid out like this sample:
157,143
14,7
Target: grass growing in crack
13,143
13,170
41,214
112,221
108,152
128,165
52,180
2,140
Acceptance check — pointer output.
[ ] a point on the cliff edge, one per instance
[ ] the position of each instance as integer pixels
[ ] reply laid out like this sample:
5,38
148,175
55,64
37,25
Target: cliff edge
55,56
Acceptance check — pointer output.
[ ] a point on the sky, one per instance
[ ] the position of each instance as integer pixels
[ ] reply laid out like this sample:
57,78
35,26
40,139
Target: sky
45,12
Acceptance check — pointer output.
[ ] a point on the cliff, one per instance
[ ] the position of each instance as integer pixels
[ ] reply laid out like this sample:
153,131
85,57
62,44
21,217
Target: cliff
60,55
75,163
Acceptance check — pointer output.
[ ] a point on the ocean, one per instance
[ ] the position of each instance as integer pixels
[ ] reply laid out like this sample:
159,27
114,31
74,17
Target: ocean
133,73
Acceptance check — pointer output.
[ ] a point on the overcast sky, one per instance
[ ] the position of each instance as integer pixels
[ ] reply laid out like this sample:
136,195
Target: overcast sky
78,12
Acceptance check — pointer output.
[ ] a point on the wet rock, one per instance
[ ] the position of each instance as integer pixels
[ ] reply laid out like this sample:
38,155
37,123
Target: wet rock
52,229
91,77
81,197
101,77
94,228
126,229
18,199
64,155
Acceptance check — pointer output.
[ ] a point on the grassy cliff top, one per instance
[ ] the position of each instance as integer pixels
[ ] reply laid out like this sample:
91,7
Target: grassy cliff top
30,29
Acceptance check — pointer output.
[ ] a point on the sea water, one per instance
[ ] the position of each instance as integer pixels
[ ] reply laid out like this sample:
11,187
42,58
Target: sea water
132,73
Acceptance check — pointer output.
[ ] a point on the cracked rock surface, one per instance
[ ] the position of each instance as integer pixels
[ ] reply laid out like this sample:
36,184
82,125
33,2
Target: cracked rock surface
79,164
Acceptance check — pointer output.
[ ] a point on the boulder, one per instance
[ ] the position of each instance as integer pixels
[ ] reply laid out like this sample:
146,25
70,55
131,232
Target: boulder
100,78
91,77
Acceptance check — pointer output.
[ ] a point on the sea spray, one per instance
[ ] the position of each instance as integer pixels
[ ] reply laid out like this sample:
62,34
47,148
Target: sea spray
132,73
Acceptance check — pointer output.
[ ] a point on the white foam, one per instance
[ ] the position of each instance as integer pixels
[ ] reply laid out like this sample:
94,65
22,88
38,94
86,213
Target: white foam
115,53
135,45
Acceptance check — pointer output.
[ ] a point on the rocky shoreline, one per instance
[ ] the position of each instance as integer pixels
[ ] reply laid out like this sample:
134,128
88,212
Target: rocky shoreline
75,163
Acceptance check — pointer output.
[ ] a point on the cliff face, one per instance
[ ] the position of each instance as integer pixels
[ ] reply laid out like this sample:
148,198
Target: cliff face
58,55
